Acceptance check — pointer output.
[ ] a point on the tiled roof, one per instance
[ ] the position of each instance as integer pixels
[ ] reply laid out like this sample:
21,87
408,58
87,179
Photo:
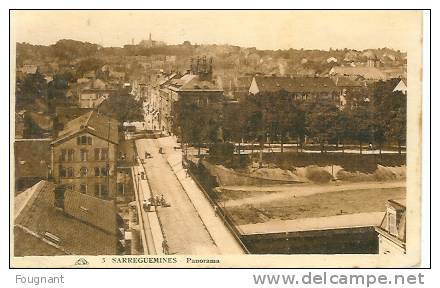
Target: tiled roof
32,156
39,217
96,124
29,69
243,82
370,73
347,82
177,83
295,84
313,224
197,84
92,210
65,114
166,79
192,82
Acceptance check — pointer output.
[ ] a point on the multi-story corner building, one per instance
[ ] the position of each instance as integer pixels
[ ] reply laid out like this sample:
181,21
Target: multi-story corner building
392,230
196,87
84,155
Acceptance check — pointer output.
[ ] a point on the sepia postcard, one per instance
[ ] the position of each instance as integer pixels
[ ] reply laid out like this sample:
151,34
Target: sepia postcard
214,138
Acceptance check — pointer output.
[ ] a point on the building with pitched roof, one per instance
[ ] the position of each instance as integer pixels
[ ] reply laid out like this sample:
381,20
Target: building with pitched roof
401,86
51,220
348,84
84,155
300,88
392,229
368,73
29,69
92,93
195,87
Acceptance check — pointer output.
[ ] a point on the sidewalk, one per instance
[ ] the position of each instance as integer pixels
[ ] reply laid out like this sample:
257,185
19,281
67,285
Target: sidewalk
150,219
223,238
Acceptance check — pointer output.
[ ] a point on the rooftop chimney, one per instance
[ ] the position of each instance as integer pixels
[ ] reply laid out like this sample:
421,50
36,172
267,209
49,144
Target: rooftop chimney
59,196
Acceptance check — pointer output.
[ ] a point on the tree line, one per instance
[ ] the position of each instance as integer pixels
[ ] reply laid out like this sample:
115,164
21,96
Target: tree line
375,115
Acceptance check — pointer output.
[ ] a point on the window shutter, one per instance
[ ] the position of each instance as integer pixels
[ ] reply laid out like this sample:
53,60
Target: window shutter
104,154
392,223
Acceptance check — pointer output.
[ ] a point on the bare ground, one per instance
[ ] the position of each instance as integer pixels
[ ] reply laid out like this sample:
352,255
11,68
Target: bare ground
343,201
240,195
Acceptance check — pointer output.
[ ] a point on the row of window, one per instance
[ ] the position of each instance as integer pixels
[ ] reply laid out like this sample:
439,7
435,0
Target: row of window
99,189
69,154
306,96
84,140
69,172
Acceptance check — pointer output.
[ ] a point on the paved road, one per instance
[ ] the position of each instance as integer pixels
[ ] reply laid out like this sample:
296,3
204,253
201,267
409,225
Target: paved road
183,228
223,237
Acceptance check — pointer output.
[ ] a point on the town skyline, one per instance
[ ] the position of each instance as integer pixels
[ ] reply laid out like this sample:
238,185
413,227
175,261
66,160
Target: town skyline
197,27
179,144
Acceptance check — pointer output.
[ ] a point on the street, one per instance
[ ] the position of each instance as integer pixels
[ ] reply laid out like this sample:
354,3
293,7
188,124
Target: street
183,228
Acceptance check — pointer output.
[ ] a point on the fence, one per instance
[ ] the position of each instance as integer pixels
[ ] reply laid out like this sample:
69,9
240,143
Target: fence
211,195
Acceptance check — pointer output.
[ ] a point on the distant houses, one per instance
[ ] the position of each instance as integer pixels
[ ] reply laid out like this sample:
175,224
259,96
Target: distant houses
300,88
28,69
368,73
92,93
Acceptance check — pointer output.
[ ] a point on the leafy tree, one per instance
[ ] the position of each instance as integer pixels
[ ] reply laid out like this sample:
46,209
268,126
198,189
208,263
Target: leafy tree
88,64
339,130
298,127
56,91
197,124
396,125
324,122
389,113
282,117
30,88
361,123
123,107
69,50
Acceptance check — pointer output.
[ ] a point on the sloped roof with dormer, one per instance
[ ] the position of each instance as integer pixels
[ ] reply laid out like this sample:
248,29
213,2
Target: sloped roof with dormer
399,206
36,217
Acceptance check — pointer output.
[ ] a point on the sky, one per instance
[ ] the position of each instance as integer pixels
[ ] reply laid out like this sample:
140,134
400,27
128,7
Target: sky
261,29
